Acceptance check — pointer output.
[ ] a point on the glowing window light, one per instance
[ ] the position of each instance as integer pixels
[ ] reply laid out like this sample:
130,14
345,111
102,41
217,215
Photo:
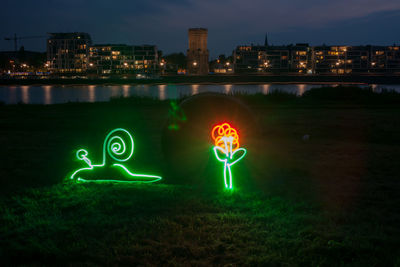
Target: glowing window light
118,147
227,149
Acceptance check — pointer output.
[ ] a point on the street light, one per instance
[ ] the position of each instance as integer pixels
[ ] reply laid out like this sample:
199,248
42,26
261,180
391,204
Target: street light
195,63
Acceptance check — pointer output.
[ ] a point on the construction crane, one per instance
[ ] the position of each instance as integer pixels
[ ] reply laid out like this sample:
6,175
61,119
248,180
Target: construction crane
15,39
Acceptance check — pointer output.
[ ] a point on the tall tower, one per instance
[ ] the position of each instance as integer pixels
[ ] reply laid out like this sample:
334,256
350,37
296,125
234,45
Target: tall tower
266,40
197,54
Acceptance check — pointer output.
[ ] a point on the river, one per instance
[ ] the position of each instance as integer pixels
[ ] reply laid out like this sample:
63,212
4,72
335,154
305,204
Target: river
56,94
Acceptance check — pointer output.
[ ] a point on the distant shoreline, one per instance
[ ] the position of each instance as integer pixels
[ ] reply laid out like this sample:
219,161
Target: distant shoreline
215,79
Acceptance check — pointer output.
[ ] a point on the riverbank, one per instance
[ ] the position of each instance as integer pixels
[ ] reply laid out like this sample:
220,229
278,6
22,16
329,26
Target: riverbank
213,79
322,187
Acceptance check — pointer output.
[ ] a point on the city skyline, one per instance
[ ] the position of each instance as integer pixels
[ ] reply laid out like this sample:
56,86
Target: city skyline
230,23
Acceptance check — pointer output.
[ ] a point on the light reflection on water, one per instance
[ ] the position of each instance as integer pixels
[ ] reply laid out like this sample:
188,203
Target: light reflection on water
228,89
125,90
195,89
163,93
265,89
54,94
25,94
47,94
301,89
92,93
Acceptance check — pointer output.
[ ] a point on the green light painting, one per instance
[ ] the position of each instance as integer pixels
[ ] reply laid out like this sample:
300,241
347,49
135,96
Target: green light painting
117,149
176,115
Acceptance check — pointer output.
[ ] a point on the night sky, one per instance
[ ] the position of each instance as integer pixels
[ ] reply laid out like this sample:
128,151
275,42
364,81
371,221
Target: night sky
230,22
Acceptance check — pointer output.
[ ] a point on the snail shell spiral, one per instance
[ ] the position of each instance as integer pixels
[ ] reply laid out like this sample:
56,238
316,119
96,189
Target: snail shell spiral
118,145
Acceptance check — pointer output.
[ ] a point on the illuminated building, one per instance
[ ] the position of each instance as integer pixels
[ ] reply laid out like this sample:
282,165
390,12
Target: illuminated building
197,54
68,52
122,58
74,53
145,58
223,68
305,59
275,59
110,59
271,59
384,59
331,59
356,59
248,58
300,58
222,65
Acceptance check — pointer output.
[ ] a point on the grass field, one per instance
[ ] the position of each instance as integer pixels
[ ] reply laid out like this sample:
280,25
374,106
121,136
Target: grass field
331,200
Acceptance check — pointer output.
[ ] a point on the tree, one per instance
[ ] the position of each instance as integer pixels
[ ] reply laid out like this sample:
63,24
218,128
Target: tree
4,62
178,59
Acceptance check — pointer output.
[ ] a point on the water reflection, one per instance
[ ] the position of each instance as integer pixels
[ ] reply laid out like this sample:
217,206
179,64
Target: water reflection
47,94
227,88
162,89
91,93
195,89
25,94
301,89
265,89
374,87
125,90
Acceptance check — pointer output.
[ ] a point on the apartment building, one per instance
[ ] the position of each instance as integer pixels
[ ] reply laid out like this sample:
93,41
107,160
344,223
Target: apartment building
305,59
145,59
249,58
68,52
111,59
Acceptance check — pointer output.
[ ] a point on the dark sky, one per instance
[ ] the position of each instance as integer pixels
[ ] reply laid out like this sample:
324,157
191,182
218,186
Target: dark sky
229,22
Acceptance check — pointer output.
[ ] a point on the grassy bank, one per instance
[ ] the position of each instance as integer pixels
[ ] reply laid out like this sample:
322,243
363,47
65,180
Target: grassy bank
329,199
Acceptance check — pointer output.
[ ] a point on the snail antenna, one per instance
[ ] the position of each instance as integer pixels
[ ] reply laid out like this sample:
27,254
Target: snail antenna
81,154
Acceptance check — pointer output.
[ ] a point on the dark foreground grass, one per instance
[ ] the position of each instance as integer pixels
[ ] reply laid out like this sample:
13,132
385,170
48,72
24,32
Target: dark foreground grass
332,199
169,224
